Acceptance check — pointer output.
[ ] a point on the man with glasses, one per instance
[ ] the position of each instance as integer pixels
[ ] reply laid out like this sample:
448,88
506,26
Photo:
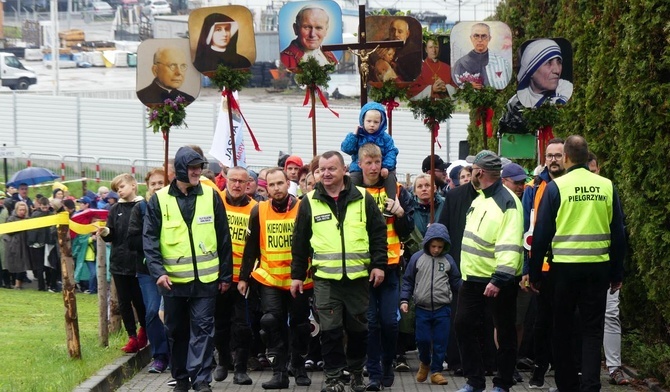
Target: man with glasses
531,200
486,68
169,69
490,263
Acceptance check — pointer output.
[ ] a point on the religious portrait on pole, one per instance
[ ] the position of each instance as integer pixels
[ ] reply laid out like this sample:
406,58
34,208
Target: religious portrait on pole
545,72
164,70
481,54
305,26
435,80
221,36
401,64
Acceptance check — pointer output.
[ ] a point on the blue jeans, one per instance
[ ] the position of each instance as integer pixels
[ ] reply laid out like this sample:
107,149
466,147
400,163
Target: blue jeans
155,329
92,276
383,324
432,331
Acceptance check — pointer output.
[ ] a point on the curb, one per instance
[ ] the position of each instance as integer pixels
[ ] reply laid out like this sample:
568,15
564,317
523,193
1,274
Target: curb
651,384
112,376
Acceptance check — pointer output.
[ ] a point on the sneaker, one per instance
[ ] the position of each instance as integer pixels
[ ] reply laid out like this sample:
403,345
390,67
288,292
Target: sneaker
438,379
182,386
320,365
618,378
132,346
525,364
470,388
458,372
537,379
157,366
202,387
357,381
445,366
310,365
171,382
517,376
333,385
401,365
142,337
374,386
422,374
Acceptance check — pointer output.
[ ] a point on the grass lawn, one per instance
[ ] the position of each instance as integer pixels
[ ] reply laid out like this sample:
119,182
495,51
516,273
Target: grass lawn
33,352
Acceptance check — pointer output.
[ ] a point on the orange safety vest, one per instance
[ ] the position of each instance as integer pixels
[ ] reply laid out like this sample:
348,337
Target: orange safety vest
392,238
274,269
238,223
533,215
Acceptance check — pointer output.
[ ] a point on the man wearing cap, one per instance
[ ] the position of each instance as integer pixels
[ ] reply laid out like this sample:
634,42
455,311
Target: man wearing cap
582,224
438,169
490,263
188,251
514,178
530,201
539,75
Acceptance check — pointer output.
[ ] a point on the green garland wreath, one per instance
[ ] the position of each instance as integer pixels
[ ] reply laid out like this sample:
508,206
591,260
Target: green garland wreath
311,73
484,97
547,114
230,79
387,91
432,111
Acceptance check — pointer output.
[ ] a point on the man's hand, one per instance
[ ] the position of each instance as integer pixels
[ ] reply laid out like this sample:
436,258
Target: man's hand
223,287
384,172
439,86
394,207
614,287
491,290
525,283
242,287
164,282
376,277
404,307
296,287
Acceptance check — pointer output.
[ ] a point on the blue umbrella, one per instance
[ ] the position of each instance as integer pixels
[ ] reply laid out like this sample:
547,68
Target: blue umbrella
31,176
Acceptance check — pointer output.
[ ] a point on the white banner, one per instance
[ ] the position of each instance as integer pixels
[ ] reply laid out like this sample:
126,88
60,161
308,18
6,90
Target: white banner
221,144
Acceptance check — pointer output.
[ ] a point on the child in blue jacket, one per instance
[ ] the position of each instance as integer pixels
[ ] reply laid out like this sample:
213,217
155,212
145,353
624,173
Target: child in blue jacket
372,129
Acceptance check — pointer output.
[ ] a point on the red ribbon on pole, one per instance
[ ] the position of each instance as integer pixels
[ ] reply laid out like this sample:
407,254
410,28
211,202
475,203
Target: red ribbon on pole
234,105
322,98
489,118
390,105
434,129
545,134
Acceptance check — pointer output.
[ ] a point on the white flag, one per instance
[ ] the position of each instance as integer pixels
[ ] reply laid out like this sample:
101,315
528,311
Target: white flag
222,145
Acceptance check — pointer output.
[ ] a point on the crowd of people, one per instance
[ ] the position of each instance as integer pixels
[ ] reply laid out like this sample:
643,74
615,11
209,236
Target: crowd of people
478,265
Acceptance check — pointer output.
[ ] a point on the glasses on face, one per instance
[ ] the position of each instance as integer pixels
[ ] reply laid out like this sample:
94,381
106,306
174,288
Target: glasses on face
236,181
480,36
554,157
173,67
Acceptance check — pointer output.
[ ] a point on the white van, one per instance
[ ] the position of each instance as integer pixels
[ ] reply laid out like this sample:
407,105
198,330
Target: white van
13,74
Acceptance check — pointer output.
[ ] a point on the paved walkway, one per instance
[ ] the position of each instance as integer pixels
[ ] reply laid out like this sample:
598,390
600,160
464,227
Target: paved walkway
145,382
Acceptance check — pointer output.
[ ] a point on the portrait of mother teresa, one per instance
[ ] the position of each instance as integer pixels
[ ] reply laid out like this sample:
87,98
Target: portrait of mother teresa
539,75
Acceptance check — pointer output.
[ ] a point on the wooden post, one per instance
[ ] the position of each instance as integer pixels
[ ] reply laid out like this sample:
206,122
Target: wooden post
114,311
312,96
432,175
232,130
69,298
103,319
83,183
166,147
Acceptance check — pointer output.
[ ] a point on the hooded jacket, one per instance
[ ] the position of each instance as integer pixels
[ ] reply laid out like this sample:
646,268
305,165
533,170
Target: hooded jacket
186,202
352,142
431,279
122,260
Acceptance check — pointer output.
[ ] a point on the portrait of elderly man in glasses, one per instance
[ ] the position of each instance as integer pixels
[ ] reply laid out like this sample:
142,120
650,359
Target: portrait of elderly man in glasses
169,70
480,66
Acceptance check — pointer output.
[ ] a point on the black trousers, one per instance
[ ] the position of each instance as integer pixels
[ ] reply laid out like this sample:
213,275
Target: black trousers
190,326
472,305
130,295
233,321
581,287
284,318
543,325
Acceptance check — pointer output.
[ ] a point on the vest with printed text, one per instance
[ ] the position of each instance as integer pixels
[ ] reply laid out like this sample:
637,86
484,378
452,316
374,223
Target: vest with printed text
238,222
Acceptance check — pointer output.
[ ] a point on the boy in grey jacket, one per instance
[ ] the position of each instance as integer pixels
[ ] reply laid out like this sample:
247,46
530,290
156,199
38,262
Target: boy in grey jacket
430,277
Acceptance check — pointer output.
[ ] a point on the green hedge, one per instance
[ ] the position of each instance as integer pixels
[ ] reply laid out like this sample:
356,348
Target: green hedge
620,104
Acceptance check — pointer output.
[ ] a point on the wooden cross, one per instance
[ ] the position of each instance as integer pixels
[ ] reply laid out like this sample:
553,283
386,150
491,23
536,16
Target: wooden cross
367,47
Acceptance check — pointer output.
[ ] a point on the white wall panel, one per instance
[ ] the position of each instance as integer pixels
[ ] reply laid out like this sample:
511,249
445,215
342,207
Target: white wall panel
46,123
7,119
111,128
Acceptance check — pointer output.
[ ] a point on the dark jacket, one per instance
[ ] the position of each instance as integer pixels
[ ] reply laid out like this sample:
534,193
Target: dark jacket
302,231
134,236
43,235
431,279
422,212
528,201
122,260
155,94
152,230
456,204
16,258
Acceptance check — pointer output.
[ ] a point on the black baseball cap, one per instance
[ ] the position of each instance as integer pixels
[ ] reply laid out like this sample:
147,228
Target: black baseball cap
438,162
